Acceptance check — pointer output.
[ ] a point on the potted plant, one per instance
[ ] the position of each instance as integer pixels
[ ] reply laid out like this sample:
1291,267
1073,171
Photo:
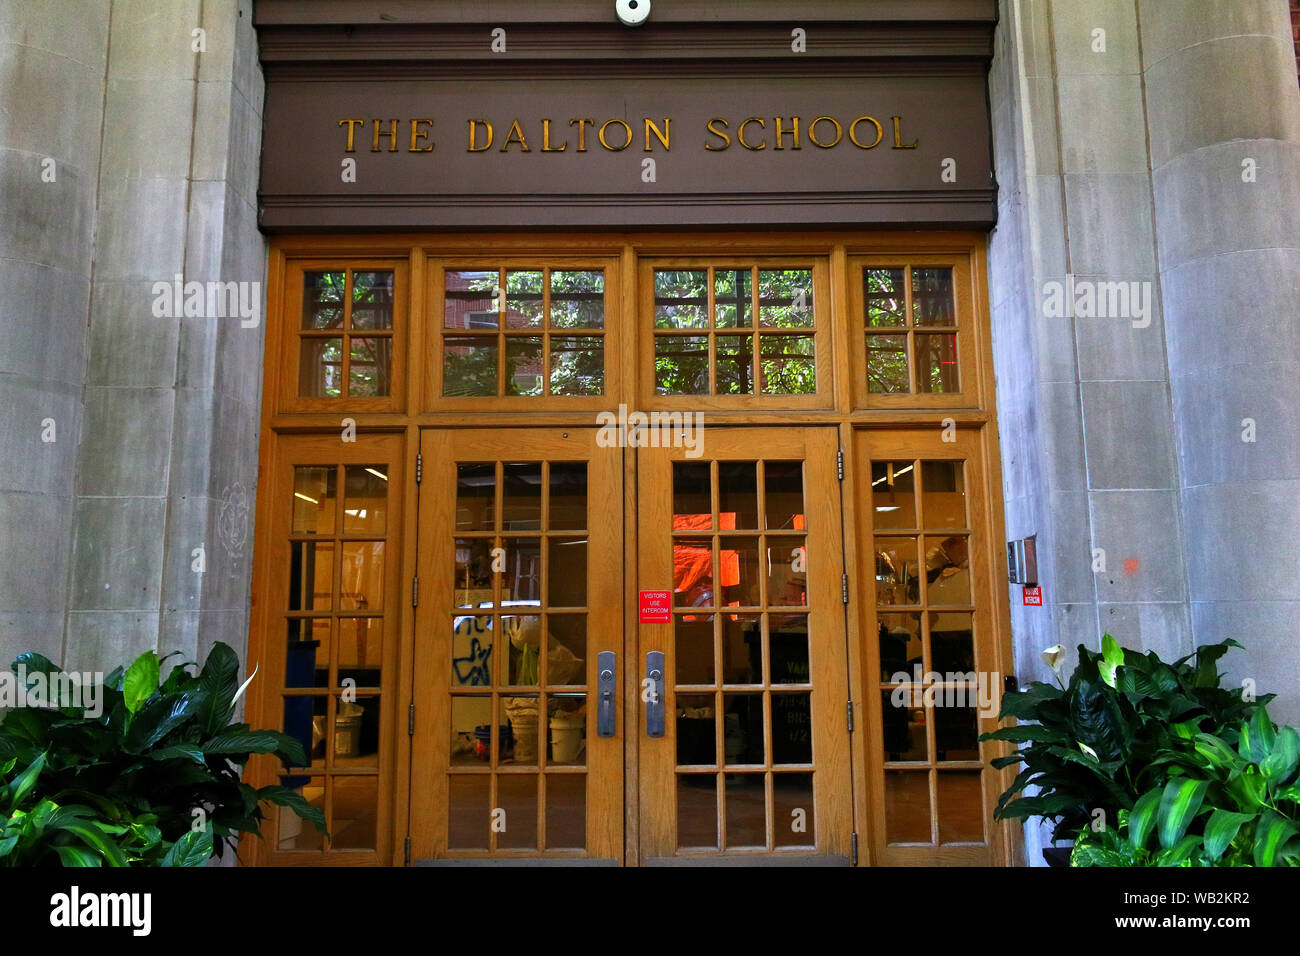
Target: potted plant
150,776
1094,745
1233,799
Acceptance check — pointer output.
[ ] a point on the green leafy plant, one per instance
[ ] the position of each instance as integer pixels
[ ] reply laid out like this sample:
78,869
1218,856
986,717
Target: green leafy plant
154,779
1105,739
1234,800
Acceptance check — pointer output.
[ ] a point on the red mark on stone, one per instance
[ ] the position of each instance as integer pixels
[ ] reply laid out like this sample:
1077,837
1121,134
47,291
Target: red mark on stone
1130,566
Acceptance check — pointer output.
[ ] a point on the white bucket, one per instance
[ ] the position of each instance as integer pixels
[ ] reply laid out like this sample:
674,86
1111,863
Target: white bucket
566,737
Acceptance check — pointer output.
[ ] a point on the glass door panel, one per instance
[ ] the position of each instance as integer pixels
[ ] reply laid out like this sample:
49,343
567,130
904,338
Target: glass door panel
753,757
519,592
931,669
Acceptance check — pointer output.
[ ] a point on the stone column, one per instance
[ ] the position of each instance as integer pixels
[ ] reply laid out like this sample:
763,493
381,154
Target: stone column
52,61
1224,123
168,462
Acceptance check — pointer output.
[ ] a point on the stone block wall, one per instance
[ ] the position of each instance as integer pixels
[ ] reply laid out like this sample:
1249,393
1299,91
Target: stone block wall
149,115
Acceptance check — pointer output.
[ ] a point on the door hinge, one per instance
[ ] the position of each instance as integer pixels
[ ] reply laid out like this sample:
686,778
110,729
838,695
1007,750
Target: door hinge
844,588
419,467
850,708
410,720
415,592
854,857
406,851
839,463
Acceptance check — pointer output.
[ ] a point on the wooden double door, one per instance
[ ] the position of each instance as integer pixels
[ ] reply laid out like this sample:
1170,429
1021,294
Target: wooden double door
630,646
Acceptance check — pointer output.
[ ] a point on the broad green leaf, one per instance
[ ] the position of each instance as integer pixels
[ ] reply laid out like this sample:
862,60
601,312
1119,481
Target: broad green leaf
243,741
24,782
90,834
187,751
141,681
1256,740
1096,720
219,678
1247,788
1215,752
1270,833
1029,703
1022,733
1111,652
7,844
34,663
1221,830
1289,853
160,717
1112,658
41,813
192,849
1281,761
1177,854
1142,819
284,797
78,856
1178,805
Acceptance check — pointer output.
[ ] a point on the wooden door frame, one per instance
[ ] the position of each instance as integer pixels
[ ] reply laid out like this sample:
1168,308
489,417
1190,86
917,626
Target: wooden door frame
415,409
833,817
605,591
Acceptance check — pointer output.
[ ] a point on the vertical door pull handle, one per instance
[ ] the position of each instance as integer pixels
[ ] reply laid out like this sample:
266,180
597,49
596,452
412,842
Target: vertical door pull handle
654,693
606,687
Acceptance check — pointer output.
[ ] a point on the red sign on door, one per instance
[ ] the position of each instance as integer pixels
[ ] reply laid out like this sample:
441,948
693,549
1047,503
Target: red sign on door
656,607
1034,597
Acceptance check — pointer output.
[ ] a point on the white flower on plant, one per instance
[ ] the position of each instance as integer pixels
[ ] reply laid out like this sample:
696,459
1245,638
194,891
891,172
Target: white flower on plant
1089,751
1052,657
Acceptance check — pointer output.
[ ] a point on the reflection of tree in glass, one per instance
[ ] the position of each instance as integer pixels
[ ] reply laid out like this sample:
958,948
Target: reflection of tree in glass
470,367
323,305
577,365
788,365
887,363
885,299
682,365
785,297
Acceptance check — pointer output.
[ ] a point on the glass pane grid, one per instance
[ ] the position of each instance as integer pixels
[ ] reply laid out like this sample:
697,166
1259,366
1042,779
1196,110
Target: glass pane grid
743,717
346,338
929,684
708,343
519,705
537,331
911,330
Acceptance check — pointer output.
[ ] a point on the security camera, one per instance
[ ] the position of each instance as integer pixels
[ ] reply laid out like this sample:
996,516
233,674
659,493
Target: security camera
632,13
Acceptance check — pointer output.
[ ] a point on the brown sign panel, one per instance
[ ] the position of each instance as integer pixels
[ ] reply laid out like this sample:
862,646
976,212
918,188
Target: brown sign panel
627,152
514,114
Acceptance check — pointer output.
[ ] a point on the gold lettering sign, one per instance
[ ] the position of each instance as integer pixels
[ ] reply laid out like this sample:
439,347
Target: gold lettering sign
754,134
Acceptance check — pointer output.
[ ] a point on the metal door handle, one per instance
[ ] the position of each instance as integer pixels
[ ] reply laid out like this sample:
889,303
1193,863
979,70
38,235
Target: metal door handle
606,683
653,693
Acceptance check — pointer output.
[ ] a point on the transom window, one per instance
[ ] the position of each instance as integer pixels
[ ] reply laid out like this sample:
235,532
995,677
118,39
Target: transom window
346,337
735,330
537,331
911,330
